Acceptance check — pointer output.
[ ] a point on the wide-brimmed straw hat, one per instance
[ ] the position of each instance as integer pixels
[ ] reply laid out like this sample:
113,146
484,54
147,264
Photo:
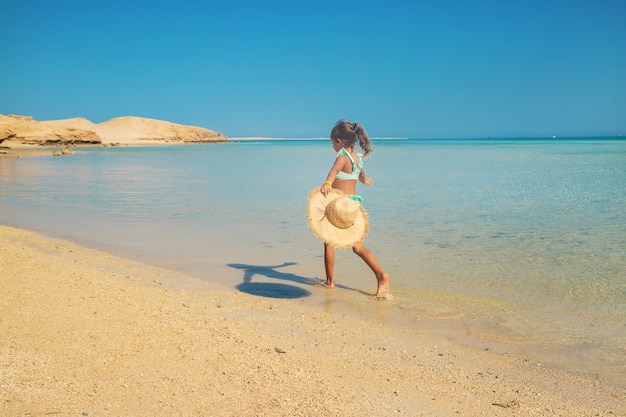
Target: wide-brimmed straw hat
337,219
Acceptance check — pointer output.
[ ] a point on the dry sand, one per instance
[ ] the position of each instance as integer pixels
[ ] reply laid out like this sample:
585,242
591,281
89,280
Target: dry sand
86,333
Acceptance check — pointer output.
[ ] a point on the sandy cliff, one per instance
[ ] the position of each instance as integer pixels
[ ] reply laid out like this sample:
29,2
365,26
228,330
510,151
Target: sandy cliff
24,130
133,129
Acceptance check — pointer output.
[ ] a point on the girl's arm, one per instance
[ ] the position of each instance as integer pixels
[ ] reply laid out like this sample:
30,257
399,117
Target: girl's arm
339,164
364,179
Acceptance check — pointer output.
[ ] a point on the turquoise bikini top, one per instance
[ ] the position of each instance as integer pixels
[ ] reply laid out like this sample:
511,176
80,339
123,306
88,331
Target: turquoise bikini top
356,170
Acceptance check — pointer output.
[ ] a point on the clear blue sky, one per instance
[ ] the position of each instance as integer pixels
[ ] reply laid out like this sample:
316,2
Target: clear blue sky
421,69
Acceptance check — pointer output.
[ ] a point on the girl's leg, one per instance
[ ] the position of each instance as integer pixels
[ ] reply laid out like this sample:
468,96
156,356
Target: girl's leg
381,277
329,265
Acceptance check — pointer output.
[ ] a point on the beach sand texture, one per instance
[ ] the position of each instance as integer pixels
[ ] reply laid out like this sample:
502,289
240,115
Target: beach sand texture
83,332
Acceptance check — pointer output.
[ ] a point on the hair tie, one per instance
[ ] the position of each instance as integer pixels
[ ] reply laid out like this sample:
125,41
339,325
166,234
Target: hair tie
354,126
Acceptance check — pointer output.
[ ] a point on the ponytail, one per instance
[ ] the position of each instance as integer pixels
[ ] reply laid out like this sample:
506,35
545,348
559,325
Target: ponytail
364,140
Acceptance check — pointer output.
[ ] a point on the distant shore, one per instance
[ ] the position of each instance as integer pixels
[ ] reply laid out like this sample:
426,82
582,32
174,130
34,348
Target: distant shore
23,131
13,149
262,138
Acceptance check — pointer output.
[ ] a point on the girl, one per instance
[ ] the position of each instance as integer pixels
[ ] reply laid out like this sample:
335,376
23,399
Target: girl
348,167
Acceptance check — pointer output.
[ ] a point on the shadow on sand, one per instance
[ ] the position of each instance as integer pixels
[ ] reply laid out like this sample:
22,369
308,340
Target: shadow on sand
275,289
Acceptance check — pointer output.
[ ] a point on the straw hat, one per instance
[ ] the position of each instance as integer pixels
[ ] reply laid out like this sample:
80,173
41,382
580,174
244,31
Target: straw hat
337,219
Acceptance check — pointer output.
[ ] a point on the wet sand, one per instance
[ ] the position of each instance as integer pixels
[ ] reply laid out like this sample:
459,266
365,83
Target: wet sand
83,332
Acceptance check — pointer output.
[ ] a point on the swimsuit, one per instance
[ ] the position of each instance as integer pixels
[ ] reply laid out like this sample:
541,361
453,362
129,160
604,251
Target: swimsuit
356,170
356,198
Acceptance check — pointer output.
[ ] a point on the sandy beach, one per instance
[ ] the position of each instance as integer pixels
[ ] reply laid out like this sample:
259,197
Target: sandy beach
87,333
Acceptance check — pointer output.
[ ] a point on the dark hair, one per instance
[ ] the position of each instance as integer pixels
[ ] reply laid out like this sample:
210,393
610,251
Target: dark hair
349,133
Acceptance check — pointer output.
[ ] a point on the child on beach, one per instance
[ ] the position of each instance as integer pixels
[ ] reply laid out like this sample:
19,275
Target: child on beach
343,176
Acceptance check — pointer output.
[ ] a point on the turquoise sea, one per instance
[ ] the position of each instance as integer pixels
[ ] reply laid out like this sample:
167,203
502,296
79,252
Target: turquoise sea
513,245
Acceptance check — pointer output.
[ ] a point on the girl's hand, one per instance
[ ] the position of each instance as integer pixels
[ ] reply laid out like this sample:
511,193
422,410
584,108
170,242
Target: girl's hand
325,189
368,181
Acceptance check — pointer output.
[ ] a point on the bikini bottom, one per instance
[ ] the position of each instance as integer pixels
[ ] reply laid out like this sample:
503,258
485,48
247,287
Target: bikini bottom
356,198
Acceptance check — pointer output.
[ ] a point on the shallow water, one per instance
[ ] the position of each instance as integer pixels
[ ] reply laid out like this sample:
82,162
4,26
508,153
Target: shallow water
509,243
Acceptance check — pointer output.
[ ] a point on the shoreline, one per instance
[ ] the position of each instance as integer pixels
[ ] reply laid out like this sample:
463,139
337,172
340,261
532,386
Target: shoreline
17,150
85,331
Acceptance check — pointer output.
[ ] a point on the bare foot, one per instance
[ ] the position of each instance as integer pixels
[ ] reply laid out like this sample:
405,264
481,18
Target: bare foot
320,283
383,286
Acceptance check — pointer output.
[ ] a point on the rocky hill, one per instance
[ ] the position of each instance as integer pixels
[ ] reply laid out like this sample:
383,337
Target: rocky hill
118,131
